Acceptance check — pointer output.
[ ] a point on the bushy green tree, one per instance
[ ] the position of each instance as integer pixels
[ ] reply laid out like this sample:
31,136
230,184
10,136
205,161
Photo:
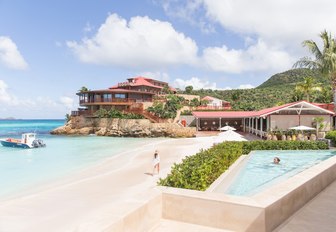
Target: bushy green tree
189,89
324,58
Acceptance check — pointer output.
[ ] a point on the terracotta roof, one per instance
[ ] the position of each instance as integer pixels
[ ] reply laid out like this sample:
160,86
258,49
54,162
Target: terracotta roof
269,111
140,81
327,106
223,114
209,98
117,90
260,113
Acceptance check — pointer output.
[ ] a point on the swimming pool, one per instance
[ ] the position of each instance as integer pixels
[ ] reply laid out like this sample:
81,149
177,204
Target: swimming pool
259,171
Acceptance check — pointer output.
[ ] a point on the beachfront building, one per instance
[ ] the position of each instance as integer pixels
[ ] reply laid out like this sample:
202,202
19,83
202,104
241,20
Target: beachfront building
213,103
260,122
133,93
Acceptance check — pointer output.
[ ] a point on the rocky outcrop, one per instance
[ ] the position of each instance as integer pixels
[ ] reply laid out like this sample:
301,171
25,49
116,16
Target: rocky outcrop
122,128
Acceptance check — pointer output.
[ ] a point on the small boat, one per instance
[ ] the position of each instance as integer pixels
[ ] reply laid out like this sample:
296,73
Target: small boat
28,140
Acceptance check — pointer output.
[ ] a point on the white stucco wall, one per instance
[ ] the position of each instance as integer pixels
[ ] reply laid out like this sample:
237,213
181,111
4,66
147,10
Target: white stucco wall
283,122
215,102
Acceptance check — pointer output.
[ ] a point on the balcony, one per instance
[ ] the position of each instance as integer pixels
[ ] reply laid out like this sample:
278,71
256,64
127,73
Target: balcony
107,101
82,113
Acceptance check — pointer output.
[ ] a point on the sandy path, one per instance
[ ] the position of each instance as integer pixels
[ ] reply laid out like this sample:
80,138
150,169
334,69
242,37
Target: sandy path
95,198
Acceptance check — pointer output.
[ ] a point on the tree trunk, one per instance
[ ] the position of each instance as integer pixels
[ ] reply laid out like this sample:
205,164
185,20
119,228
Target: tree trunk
334,98
333,83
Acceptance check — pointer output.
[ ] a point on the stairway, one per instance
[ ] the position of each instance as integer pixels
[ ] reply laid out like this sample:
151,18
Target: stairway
146,114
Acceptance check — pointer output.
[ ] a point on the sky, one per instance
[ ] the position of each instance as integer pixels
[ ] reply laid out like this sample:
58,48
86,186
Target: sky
50,49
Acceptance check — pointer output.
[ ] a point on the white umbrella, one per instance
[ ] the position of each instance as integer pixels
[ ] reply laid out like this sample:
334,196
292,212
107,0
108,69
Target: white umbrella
229,136
302,128
227,128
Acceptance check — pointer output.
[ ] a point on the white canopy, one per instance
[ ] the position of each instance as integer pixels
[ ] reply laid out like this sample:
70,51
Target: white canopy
226,128
229,135
302,128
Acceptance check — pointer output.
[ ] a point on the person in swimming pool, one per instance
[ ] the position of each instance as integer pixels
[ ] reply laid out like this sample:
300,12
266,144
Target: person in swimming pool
276,160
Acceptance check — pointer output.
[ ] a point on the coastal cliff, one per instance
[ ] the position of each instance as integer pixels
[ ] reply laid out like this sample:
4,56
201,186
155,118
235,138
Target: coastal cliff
122,128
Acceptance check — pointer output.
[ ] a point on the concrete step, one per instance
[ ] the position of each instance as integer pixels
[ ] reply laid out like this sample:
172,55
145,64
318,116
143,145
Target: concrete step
176,226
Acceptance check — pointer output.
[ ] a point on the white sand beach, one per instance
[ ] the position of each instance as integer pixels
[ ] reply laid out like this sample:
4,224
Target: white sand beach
95,198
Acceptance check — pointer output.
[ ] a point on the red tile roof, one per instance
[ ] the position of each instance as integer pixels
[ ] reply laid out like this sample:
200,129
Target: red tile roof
118,90
209,98
260,113
224,114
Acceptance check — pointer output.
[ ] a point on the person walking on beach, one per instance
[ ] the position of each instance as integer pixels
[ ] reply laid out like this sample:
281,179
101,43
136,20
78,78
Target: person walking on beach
156,162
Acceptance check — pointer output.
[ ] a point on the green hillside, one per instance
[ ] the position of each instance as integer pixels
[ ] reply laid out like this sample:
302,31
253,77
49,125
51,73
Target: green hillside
292,77
278,89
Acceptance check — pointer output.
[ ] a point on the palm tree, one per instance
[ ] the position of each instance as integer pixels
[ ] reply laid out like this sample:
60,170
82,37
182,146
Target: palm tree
307,87
325,60
83,89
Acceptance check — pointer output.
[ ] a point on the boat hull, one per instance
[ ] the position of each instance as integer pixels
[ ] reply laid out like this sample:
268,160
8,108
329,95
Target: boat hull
13,144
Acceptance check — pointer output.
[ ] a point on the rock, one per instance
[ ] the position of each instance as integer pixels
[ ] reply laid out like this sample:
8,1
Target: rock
123,127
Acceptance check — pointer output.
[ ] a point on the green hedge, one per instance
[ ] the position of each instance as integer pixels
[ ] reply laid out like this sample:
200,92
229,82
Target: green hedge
202,169
331,135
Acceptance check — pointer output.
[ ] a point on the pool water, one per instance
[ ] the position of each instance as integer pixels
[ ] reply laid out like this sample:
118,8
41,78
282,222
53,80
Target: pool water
260,172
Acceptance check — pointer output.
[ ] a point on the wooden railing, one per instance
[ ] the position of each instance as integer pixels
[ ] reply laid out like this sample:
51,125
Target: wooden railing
115,100
146,114
82,113
112,100
135,110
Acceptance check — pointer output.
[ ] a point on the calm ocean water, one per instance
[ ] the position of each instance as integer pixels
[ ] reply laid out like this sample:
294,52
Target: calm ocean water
21,169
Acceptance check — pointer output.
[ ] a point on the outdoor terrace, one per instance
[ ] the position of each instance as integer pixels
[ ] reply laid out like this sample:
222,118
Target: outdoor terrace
113,101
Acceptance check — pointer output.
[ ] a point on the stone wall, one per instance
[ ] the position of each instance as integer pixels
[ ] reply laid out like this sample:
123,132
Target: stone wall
123,128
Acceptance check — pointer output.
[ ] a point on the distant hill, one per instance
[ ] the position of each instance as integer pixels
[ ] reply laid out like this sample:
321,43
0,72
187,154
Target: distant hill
293,77
278,89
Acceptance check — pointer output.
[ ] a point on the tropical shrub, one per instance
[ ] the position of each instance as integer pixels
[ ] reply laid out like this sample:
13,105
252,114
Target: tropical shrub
331,135
114,113
169,109
202,169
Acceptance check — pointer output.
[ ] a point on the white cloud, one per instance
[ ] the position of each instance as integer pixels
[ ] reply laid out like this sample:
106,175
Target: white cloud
189,11
162,76
68,102
5,97
141,42
257,57
13,106
272,30
10,56
279,21
195,82
246,86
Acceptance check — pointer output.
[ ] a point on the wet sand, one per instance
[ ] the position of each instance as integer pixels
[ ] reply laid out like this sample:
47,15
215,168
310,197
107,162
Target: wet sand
95,198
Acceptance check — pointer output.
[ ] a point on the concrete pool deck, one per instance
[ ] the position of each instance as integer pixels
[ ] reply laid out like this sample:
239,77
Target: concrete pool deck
264,211
316,215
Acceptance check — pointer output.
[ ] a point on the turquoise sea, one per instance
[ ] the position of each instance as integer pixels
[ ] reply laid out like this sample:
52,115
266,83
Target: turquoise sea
21,169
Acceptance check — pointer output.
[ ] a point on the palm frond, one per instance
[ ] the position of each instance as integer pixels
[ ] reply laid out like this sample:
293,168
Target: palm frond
306,62
313,48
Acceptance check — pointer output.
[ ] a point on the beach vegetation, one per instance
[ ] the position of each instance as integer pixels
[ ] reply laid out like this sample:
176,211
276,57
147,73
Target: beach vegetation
332,136
199,171
169,108
67,117
114,113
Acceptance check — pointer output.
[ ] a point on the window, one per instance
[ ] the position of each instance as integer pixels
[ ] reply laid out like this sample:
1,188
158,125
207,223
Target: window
107,97
120,95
